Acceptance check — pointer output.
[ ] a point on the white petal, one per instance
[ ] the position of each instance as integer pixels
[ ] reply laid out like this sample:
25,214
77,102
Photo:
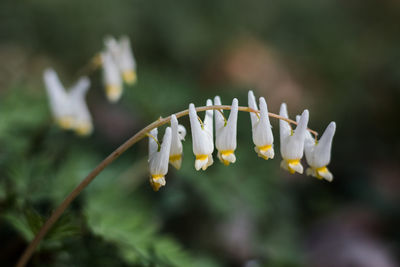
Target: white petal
181,132
81,115
322,151
176,144
159,159
320,174
58,98
202,139
112,47
296,167
153,146
111,76
262,132
326,174
208,119
301,129
292,146
292,167
219,119
284,127
127,60
226,135
253,105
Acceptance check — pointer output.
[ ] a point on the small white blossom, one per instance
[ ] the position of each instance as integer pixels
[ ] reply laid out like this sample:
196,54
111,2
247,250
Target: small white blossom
225,132
318,153
123,56
127,61
158,158
69,108
202,135
111,76
178,134
261,128
82,119
292,143
59,100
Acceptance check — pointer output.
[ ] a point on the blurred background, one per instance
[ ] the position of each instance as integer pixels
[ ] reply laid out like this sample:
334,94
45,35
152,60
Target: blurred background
339,59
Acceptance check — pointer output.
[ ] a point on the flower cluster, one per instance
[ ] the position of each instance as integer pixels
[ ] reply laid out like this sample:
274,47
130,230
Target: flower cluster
69,108
118,65
294,142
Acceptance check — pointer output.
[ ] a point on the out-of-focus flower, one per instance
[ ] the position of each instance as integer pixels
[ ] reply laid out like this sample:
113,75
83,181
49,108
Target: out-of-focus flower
318,153
261,128
225,131
123,56
82,119
292,143
202,135
69,108
178,134
111,76
127,61
158,158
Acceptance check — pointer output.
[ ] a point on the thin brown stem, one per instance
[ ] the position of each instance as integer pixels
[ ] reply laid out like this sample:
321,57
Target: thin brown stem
113,156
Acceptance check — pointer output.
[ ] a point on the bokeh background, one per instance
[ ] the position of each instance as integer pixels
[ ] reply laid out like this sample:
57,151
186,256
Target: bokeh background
339,59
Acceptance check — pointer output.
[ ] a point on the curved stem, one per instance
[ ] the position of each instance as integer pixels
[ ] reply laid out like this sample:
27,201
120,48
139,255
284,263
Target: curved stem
113,156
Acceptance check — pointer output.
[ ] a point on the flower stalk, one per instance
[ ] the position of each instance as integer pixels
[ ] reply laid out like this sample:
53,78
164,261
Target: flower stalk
109,159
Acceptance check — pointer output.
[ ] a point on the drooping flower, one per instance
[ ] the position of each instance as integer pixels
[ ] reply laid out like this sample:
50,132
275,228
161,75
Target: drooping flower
292,143
202,135
318,153
82,120
58,99
111,76
261,128
178,134
225,132
69,109
158,158
127,61
123,56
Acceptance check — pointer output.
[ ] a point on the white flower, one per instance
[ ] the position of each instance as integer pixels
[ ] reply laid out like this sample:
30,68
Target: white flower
318,153
127,61
69,108
261,128
82,120
178,134
202,135
225,131
292,143
158,158
123,57
111,76
59,100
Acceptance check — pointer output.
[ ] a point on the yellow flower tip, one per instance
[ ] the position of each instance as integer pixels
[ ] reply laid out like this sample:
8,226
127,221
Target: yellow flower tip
227,157
292,165
201,157
113,92
264,148
66,122
129,77
84,129
157,181
266,152
320,173
176,161
203,162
